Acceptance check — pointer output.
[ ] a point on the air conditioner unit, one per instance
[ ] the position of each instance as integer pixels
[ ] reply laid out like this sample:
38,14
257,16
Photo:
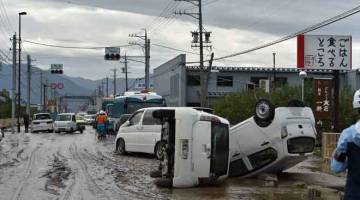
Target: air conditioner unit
264,84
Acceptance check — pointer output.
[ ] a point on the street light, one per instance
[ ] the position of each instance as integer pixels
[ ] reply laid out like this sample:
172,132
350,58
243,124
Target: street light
303,76
19,80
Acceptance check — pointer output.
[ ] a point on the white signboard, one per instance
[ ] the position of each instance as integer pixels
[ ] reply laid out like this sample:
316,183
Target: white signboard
325,52
56,66
112,50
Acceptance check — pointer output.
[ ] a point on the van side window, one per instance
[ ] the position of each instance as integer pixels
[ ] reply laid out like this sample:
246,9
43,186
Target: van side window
149,119
135,119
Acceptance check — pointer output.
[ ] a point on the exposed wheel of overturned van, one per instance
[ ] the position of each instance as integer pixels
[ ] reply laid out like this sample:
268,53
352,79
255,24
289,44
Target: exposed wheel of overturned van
264,113
296,103
159,150
120,147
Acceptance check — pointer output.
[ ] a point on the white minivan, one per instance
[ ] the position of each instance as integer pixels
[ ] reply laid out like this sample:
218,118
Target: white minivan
196,148
141,133
66,122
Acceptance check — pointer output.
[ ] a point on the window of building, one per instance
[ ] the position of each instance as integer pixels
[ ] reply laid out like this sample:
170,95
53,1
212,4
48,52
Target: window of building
193,80
225,81
281,81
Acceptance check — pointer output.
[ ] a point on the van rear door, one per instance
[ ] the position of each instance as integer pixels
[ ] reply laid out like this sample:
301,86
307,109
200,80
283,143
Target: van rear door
219,149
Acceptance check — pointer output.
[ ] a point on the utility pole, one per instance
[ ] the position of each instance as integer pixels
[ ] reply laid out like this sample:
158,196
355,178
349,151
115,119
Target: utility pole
41,91
107,86
274,71
19,80
45,94
198,38
28,85
125,71
114,81
146,47
13,94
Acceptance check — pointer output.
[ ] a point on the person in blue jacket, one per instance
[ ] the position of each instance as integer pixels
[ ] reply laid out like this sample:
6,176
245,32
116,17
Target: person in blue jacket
347,155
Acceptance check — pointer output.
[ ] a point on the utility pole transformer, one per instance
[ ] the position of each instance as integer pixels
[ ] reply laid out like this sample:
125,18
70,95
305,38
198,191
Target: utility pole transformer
199,35
28,85
146,47
13,89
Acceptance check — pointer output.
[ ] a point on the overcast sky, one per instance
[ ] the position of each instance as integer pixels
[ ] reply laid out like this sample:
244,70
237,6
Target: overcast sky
236,25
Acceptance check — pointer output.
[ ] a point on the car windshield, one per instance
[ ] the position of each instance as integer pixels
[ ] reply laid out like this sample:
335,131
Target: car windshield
42,116
63,118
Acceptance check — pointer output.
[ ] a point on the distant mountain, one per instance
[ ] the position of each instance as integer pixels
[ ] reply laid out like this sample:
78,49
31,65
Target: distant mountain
72,85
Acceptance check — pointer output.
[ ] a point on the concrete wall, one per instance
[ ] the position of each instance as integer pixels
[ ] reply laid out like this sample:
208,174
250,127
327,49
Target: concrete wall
170,81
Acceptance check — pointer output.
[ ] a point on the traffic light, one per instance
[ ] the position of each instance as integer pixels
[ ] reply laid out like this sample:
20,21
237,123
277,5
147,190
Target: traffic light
112,53
113,56
57,71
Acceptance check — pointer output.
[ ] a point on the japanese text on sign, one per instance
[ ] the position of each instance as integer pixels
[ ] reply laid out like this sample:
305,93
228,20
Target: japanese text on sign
325,52
323,94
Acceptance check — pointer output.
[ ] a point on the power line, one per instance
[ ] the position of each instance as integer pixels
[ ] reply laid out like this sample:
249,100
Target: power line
175,49
74,47
293,35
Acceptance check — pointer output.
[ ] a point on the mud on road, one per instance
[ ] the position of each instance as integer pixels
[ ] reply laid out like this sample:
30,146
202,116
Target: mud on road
78,166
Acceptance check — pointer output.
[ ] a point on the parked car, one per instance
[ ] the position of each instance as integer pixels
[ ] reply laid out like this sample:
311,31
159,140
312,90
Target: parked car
80,122
196,148
142,133
42,122
66,122
272,140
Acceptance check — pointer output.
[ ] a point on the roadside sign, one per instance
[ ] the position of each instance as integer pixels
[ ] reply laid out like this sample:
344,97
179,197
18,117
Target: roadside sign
323,95
112,53
333,52
57,66
59,86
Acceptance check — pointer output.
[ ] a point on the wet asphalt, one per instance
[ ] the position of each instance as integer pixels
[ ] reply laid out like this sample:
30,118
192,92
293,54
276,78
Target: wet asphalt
78,166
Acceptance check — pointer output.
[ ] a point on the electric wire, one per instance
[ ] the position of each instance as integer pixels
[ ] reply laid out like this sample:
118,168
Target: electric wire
75,47
293,35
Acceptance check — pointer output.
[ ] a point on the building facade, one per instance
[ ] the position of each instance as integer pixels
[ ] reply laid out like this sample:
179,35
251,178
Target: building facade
179,83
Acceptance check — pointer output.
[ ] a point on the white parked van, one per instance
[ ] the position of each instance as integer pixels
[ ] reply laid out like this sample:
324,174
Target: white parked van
272,140
66,122
196,147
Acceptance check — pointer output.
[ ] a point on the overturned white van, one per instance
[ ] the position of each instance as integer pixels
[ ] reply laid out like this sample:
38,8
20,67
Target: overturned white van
272,140
196,150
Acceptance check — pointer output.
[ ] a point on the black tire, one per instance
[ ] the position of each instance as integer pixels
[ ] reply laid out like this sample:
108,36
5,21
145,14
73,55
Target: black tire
159,150
264,113
71,130
120,147
81,131
296,103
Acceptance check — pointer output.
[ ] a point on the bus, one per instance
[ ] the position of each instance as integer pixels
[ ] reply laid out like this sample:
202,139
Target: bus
105,102
131,102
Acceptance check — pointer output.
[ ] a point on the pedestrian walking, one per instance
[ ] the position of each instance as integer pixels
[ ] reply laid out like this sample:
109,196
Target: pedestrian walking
26,122
347,155
101,121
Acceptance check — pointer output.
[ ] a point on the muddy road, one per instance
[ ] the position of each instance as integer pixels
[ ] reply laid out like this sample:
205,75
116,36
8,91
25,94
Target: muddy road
78,166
